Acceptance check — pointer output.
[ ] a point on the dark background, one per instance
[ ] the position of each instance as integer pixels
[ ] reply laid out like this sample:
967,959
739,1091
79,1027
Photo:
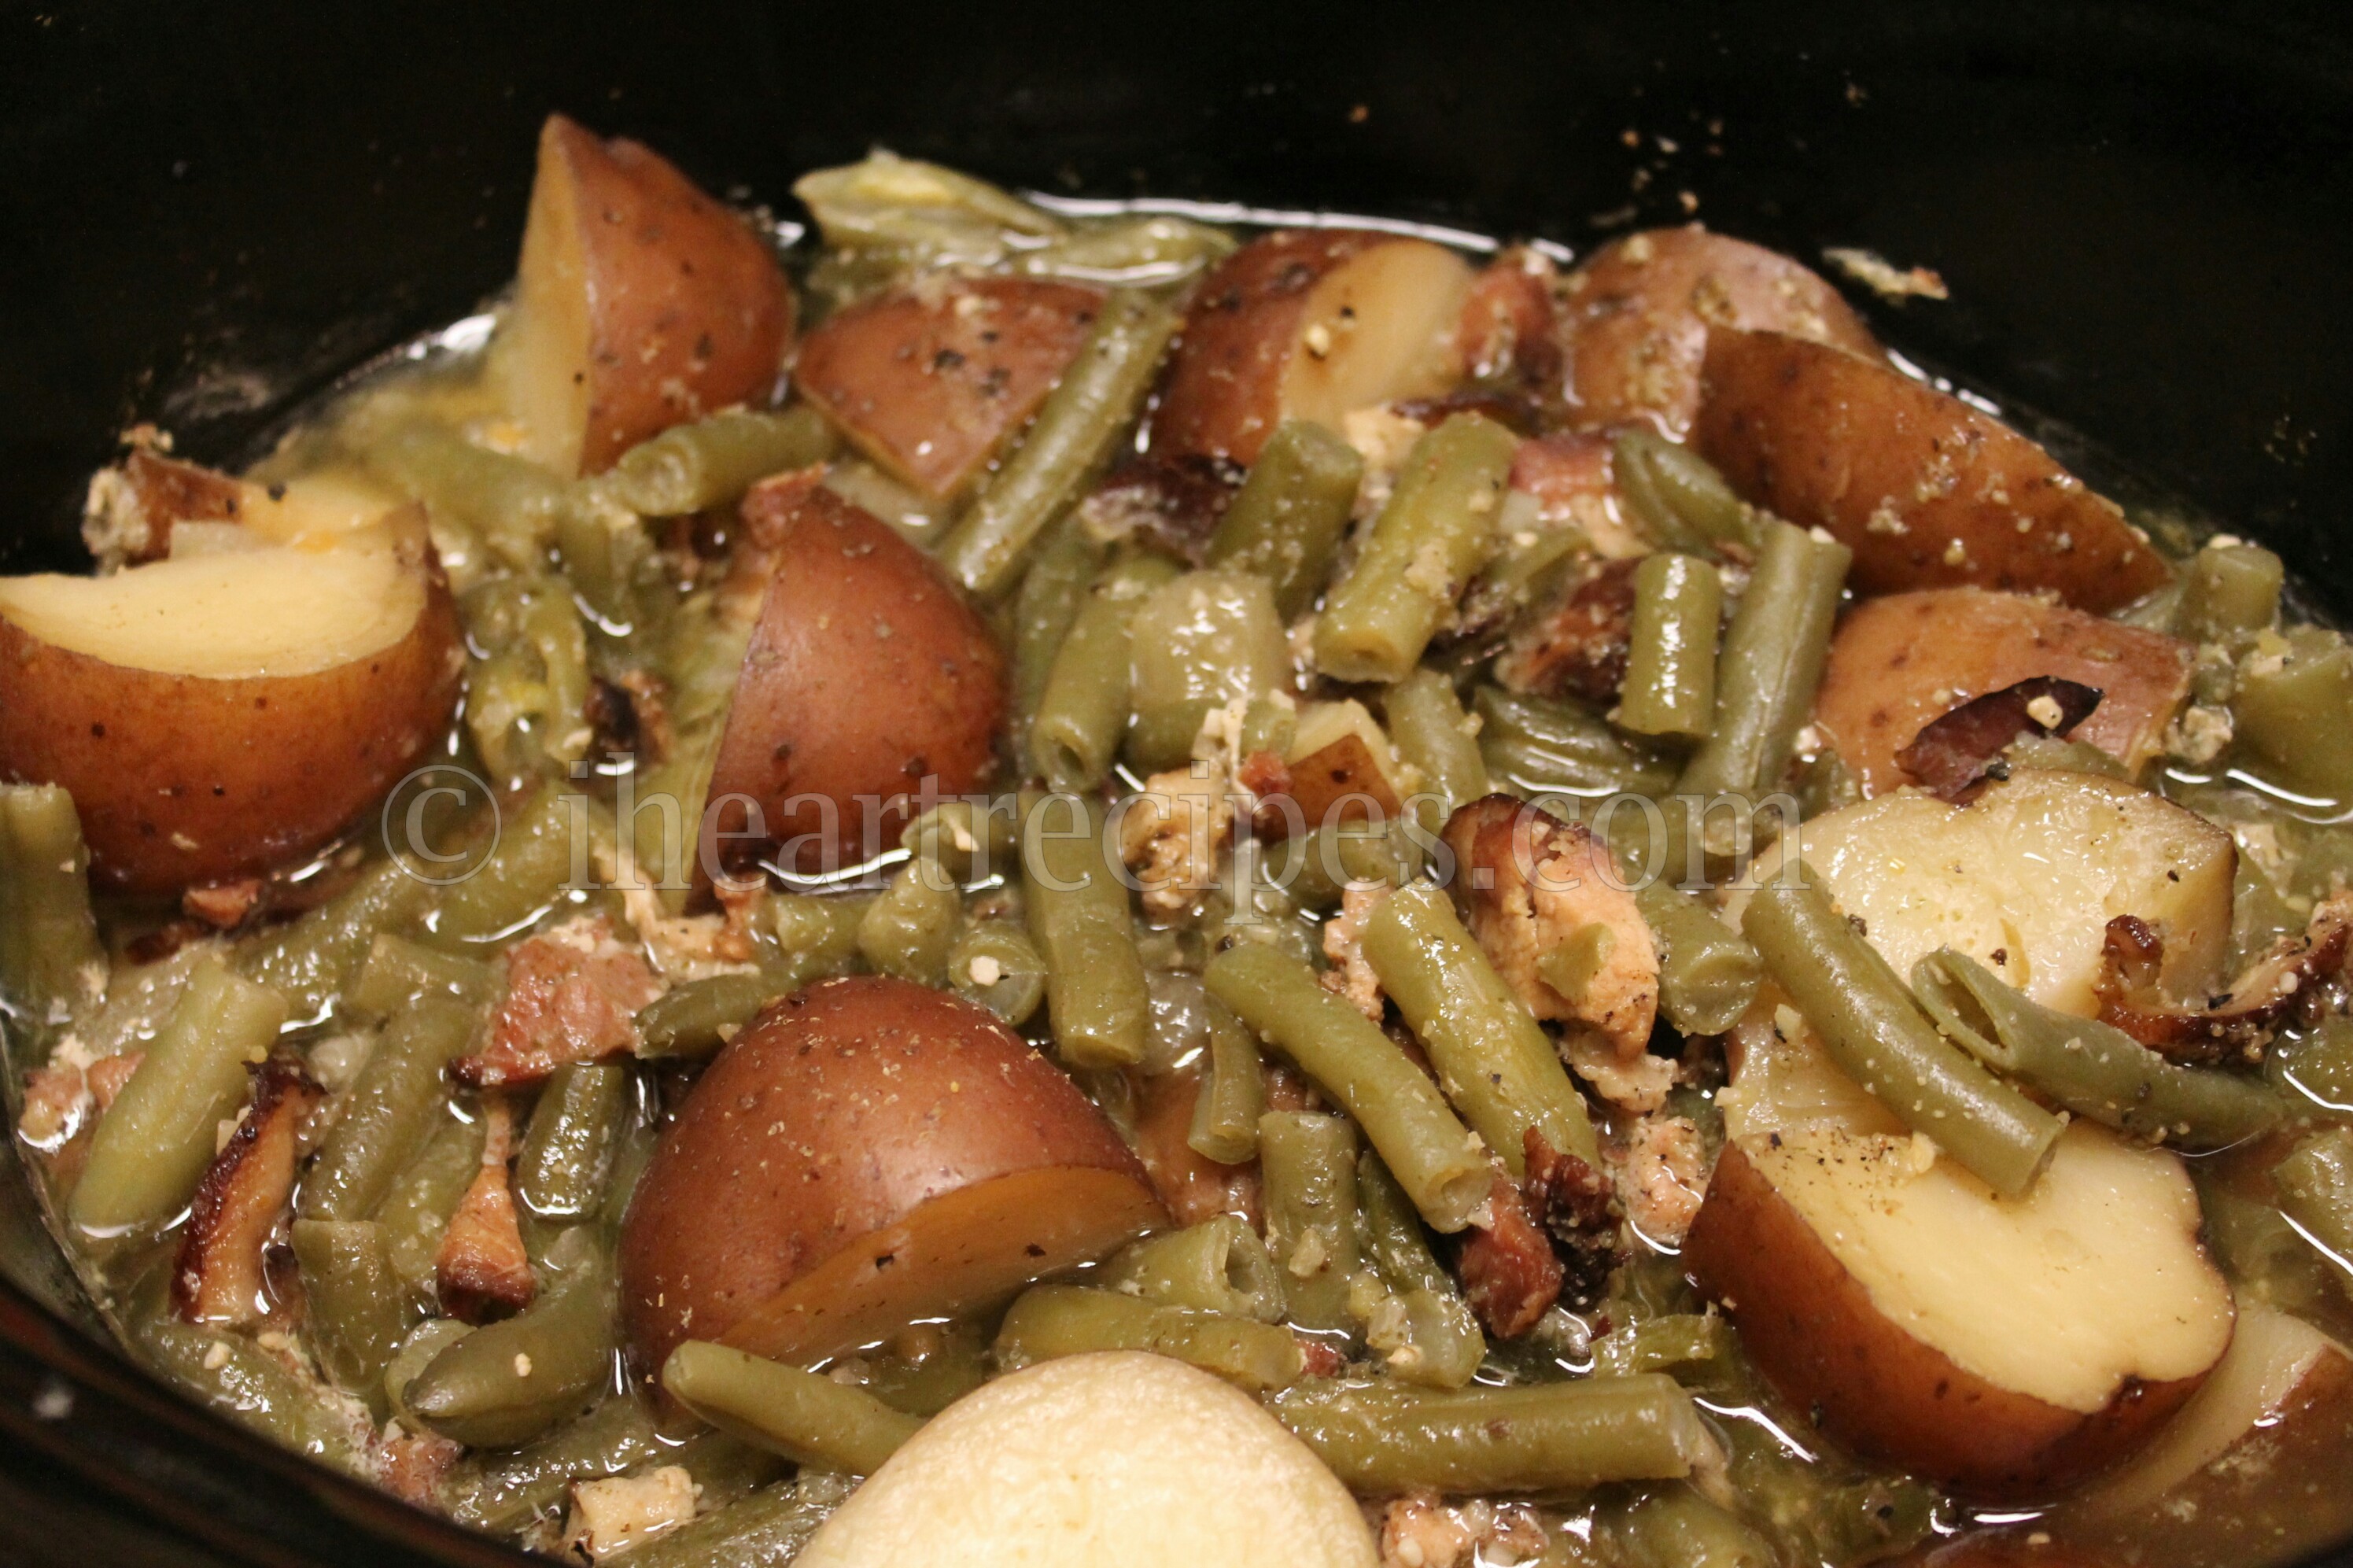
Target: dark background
207,211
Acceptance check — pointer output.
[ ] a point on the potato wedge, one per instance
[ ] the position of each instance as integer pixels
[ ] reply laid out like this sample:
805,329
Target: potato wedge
1925,490
2024,879
2006,1347
1340,769
218,715
1639,315
930,381
1308,324
1899,662
867,675
641,303
866,1153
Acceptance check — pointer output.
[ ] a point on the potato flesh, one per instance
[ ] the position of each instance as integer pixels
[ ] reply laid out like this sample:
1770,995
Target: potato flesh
1114,1457
1379,326
547,386
227,614
2026,878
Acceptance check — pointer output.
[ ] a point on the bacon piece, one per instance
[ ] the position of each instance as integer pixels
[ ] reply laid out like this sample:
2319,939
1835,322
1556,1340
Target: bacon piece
1170,500
220,1275
223,905
1189,1184
1661,1169
1959,747
412,1465
109,1074
1418,1530
1510,331
2298,978
1319,1357
1576,646
1509,1273
1576,1205
1572,477
571,995
482,1266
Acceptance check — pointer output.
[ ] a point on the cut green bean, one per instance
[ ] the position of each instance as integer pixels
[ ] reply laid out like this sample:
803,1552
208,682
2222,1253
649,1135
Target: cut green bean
693,1020
711,462
413,1354
1427,724
1149,250
541,849
1669,685
1271,723
2293,707
1654,1344
254,1388
502,1492
50,962
970,839
510,1381
605,550
1053,1321
413,1215
510,501
1434,1338
1771,662
907,932
396,973
308,960
2093,1069
567,1152
1286,521
1542,747
1217,1265
1198,642
1074,432
2315,1184
358,1311
2229,590
1876,1032
995,963
1437,531
1441,1164
152,1146
806,1416
390,1110
1082,714
818,934
767,1530
1233,1092
884,201
1674,1527
1382,1438
1677,496
1708,972
1052,590
1307,1165
1317,868
1078,911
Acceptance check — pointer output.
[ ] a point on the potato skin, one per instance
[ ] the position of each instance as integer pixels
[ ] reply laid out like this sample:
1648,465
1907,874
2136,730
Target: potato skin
930,381
181,779
1899,662
835,1113
868,673
1925,490
687,310
1814,1331
1639,316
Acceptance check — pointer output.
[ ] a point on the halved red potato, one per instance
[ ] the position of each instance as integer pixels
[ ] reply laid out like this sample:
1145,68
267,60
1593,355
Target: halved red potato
135,508
1898,663
1307,323
1925,490
867,674
2008,1347
866,1153
639,303
930,380
219,714
1638,317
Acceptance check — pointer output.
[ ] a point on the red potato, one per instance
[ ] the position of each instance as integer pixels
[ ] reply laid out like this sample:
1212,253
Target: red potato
1511,327
134,508
1925,490
1639,316
641,303
1308,324
931,381
1340,769
866,1153
219,1274
1899,662
219,714
867,675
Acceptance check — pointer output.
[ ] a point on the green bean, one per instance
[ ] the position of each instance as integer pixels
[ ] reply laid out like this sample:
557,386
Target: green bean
1543,1437
512,502
1874,1032
605,551
568,1150
414,1354
1217,1265
631,1155
2295,706
1052,590
907,930
711,462
1493,1059
1431,731
1149,250
996,964
388,1113
1253,906
1082,714
2048,751
50,961
414,1214
307,959
1533,559
1669,685
1437,531
236,1377
1542,747
2315,1184
1075,430
767,1530
1051,1321
1708,972
2319,1069
1079,917
2229,590
1674,1527
1286,521
1771,662
896,203
503,1492
1194,643
2093,1069
1307,1164
544,847
509,1382
1654,1344
693,1021
358,1311
1233,1092
1271,723
1436,1341
972,840
2265,1257
1318,868
152,1146
397,972
818,933
806,1416
1678,497
1440,1163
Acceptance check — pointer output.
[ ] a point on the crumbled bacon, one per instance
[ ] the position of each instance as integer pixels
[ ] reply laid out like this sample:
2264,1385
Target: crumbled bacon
1509,1273
1660,1168
1417,1530
1572,478
221,1273
412,1464
571,995
223,905
109,1074
1170,500
1319,1357
1955,749
1171,833
2300,979
483,1266
1576,646
1576,1205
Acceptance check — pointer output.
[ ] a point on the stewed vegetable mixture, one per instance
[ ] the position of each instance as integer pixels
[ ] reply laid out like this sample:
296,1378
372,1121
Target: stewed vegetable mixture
1034,882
